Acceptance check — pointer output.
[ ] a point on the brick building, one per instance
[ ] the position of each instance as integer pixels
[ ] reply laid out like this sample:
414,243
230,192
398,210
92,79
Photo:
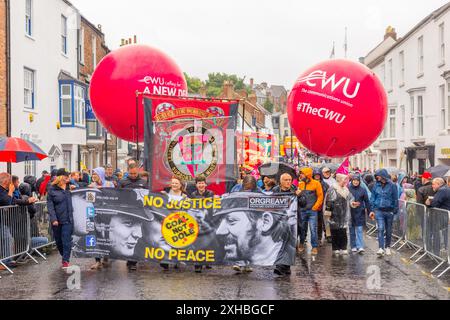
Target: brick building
3,69
91,52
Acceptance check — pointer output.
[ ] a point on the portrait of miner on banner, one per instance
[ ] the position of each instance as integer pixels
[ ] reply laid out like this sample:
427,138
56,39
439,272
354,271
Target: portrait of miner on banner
257,229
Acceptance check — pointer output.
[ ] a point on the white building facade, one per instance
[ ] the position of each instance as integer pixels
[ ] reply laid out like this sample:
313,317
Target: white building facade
47,100
415,71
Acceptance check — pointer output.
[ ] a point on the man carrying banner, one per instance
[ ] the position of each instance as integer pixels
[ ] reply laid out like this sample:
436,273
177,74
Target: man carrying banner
285,186
132,181
201,193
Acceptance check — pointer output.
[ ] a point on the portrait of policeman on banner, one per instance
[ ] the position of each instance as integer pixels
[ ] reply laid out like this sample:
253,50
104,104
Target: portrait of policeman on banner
257,237
115,224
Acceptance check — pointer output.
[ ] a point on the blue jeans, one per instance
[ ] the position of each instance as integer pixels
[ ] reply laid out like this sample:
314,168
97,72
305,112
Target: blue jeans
356,237
309,217
63,239
384,223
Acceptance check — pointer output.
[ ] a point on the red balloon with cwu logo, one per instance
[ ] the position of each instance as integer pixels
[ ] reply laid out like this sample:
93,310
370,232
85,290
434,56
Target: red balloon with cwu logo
123,72
337,108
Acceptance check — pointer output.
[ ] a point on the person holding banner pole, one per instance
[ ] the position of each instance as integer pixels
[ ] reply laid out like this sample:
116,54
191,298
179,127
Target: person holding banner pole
99,181
132,181
176,192
201,193
285,186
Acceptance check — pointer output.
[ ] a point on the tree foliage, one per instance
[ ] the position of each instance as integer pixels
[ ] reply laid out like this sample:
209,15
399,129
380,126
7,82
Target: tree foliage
214,83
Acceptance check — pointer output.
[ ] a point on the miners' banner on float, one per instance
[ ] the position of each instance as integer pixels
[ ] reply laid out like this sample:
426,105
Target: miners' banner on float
138,225
188,137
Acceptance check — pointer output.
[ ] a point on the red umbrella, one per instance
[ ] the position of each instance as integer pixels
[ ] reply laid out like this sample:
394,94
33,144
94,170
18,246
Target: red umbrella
19,150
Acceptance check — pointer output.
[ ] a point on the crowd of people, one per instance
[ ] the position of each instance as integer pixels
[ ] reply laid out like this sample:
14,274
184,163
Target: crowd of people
330,205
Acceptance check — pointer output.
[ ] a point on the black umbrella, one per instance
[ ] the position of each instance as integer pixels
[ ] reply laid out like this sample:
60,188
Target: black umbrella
438,171
276,169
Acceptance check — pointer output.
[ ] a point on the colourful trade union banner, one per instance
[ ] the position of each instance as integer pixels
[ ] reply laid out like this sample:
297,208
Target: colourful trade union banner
187,137
256,149
138,225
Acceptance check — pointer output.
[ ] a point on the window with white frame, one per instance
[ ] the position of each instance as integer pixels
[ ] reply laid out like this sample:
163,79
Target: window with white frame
66,104
402,67
448,104
67,156
412,118
92,128
442,103
94,52
29,88
420,116
390,75
30,168
442,43
82,45
392,120
420,55
383,74
79,106
63,34
403,111
28,17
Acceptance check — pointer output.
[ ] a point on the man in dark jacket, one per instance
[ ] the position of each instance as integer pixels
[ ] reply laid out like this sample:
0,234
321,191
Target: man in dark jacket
133,181
358,214
285,186
201,193
426,190
441,199
384,205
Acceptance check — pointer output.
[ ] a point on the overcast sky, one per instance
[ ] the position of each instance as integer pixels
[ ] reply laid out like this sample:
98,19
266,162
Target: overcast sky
268,40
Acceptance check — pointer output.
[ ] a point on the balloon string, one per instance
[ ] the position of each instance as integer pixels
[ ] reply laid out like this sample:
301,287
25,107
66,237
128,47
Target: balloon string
309,137
333,142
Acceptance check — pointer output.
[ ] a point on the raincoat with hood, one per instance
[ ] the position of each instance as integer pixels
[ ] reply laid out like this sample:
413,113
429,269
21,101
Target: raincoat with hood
384,196
338,201
312,190
358,215
103,183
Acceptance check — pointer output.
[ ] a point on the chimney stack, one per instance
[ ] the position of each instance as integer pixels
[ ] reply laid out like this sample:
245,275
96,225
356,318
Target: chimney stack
390,32
252,82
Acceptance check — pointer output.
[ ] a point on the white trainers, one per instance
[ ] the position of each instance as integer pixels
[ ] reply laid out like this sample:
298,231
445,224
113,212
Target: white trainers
354,250
388,251
361,250
336,252
344,252
380,252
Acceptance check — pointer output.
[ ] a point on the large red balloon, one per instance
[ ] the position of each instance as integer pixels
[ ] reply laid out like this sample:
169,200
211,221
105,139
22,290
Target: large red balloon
337,108
123,72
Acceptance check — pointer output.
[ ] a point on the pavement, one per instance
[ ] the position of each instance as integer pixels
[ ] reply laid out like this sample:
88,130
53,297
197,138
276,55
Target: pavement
352,277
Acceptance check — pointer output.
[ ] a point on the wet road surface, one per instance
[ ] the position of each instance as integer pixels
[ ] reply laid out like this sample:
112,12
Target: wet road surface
352,277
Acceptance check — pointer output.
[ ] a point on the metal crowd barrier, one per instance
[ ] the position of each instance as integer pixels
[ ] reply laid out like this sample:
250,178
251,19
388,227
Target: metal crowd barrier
41,230
15,234
426,230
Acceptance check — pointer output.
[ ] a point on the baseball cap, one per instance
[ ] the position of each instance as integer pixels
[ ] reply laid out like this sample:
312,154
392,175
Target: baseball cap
62,172
326,169
427,175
